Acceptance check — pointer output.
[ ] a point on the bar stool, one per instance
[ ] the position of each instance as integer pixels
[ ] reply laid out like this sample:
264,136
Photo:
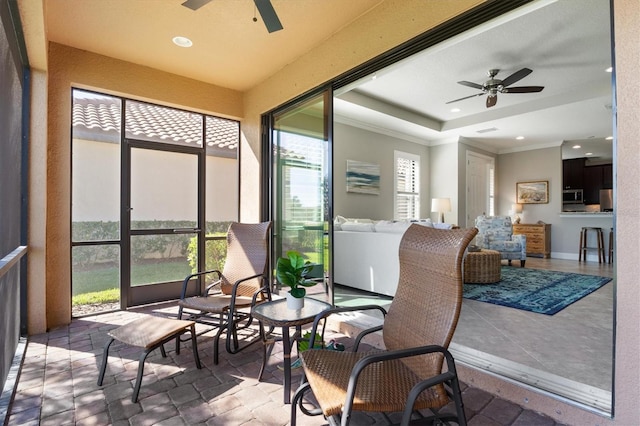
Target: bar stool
584,246
611,246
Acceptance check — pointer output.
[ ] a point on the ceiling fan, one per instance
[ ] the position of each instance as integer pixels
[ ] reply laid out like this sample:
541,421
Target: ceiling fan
265,8
493,86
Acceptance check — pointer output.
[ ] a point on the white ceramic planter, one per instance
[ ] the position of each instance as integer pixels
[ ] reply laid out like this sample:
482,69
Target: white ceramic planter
294,303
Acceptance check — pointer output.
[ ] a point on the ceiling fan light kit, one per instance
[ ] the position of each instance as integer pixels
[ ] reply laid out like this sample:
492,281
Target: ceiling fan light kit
493,86
265,8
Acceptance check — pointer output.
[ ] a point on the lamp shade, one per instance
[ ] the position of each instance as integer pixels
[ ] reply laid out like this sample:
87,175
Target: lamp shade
517,208
440,206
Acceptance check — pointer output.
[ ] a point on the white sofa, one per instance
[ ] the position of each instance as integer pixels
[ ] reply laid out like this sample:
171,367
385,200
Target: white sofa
366,253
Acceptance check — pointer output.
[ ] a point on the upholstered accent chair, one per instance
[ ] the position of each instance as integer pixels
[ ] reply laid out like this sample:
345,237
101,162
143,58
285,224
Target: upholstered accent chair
496,233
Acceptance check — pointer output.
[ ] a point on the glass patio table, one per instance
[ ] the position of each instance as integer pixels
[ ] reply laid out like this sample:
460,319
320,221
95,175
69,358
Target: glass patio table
276,314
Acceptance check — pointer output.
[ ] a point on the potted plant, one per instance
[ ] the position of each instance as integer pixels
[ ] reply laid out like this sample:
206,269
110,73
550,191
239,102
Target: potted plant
291,271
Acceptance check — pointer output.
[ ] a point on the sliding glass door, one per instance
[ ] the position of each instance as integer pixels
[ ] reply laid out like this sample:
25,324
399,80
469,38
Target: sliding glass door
300,147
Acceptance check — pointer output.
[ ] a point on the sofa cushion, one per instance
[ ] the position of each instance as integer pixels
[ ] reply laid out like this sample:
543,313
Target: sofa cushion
391,226
358,227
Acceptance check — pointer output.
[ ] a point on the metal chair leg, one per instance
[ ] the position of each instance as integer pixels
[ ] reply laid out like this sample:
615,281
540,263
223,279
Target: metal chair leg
103,367
136,389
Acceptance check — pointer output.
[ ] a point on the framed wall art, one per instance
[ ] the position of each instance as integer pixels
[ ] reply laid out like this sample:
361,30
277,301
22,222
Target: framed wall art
535,192
363,177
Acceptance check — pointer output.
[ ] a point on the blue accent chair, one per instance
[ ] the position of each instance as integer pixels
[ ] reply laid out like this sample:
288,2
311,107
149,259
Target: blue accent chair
496,233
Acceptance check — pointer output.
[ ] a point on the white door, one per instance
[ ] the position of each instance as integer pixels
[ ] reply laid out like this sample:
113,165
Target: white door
479,186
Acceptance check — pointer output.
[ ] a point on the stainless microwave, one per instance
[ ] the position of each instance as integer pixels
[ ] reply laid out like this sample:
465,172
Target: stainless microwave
572,196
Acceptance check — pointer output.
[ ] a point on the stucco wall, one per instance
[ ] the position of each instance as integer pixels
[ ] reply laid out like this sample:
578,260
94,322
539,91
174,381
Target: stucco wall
627,183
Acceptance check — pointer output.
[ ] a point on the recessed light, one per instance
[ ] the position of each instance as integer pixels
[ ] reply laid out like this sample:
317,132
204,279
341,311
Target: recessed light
520,138
182,41
588,153
455,109
576,147
610,69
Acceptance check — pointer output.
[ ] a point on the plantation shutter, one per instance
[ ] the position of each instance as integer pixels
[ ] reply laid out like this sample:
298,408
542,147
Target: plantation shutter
407,194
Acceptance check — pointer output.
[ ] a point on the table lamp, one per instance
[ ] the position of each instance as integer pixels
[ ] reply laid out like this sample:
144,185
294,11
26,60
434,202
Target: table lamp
517,210
440,206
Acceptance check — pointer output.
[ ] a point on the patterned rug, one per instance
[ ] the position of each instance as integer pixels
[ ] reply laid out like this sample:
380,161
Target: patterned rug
534,290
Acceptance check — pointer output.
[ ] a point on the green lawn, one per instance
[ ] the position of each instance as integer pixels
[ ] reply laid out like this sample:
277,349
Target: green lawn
100,280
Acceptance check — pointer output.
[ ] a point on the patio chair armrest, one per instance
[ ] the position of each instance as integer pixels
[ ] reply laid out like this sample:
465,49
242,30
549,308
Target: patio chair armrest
185,283
234,289
337,310
397,354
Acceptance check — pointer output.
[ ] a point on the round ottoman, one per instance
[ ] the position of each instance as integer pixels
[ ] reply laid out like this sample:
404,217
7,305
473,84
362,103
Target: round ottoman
482,267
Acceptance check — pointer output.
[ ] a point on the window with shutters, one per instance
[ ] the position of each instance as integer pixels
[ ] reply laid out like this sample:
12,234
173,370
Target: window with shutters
407,186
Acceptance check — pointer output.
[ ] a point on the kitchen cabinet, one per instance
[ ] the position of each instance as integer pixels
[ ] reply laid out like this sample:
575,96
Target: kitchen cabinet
596,178
591,179
538,238
572,173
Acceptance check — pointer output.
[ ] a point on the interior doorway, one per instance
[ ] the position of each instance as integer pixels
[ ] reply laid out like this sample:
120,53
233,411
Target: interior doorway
480,178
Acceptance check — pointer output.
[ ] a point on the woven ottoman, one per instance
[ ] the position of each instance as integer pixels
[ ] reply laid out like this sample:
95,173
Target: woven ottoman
482,267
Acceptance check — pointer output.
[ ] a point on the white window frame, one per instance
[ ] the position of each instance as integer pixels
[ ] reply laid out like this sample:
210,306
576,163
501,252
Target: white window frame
397,156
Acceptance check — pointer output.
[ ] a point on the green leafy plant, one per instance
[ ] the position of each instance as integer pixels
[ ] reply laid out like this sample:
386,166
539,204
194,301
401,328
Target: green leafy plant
292,271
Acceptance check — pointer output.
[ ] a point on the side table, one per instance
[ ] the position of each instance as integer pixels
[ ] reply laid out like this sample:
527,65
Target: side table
482,267
276,314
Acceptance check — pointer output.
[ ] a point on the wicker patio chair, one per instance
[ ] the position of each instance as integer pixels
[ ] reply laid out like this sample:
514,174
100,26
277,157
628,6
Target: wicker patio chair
226,303
408,375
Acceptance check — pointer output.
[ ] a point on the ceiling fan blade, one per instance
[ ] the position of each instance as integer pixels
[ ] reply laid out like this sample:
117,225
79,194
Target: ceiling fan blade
516,76
492,100
471,84
466,97
195,4
523,89
269,16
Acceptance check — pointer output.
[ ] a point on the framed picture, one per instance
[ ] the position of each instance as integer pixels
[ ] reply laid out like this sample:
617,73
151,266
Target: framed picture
536,192
363,177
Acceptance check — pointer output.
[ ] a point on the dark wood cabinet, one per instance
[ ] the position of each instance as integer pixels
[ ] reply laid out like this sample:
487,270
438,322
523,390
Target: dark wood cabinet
592,184
607,176
591,179
572,173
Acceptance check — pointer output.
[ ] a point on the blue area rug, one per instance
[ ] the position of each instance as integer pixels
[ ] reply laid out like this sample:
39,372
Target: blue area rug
534,290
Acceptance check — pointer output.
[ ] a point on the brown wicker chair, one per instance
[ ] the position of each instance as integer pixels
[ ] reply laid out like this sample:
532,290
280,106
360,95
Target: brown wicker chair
408,375
241,284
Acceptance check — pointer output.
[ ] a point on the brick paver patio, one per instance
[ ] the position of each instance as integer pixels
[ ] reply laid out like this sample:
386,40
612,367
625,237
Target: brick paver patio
57,384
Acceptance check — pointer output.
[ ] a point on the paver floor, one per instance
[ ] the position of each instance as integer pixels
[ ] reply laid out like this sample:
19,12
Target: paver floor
57,385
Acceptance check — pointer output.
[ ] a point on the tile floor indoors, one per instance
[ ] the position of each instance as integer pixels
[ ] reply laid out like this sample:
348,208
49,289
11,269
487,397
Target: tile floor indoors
57,384
568,354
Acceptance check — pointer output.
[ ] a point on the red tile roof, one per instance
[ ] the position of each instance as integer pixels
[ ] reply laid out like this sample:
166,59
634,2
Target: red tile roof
98,118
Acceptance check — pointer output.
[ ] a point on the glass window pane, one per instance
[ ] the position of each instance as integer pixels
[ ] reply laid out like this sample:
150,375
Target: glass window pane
95,199
300,180
156,123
